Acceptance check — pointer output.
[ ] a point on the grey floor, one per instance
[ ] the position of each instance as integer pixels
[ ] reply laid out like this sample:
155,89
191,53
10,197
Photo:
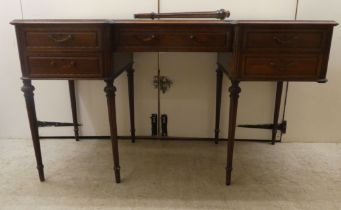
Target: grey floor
170,175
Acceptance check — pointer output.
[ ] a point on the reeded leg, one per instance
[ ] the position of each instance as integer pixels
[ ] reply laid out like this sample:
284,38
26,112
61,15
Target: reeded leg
130,74
74,108
279,91
218,104
31,111
110,93
234,95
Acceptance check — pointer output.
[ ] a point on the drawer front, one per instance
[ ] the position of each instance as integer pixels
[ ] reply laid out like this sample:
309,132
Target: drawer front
63,38
179,39
174,38
276,40
281,67
139,39
197,39
64,66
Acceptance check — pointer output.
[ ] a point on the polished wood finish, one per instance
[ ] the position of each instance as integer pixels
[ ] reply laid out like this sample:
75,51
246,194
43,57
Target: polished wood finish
219,14
219,85
273,50
28,89
174,38
279,90
269,39
284,67
72,92
130,74
234,95
67,38
65,66
295,51
110,93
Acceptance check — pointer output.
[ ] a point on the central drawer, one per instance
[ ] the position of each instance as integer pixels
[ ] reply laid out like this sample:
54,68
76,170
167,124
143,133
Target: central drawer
174,38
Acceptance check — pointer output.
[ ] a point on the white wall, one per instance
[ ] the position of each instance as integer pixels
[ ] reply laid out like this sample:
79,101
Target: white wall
312,109
13,117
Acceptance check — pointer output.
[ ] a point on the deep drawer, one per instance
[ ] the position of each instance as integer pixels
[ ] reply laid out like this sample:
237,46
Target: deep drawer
282,66
64,66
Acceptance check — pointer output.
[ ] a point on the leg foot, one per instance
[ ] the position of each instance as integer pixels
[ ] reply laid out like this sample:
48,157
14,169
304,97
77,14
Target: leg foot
32,117
110,93
234,95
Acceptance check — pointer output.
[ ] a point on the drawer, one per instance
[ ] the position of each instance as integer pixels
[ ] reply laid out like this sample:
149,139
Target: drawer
139,38
175,40
62,38
196,39
281,66
276,40
64,66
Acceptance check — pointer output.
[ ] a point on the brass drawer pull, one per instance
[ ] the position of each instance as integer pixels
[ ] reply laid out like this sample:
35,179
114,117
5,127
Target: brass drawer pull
285,41
192,37
60,38
148,38
280,66
71,64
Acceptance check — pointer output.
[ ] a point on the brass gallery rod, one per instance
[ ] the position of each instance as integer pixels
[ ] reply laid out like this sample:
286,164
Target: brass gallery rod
219,14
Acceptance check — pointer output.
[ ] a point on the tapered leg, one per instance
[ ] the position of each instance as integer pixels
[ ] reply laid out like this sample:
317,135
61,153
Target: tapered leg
110,93
279,91
234,95
130,73
218,104
31,111
74,108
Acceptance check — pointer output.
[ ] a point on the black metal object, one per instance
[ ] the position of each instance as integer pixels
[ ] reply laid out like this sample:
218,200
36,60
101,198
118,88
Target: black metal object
154,124
55,124
164,122
282,127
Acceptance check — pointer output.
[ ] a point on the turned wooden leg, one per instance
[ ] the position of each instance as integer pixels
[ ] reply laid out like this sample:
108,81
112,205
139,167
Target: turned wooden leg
279,91
218,104
234,95
130,74
110,93
28,89
74,108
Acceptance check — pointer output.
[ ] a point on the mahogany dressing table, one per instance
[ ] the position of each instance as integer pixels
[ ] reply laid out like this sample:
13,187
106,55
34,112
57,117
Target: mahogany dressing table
102,50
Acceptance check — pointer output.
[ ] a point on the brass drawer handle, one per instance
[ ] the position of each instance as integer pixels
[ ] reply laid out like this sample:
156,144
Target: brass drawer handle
285,41
280,66
60,38
71,64
192,37
147,39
